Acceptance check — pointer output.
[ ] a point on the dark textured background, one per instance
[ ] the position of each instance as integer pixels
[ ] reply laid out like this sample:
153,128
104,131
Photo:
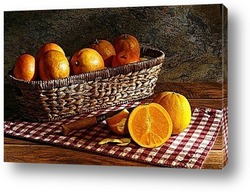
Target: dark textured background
193,37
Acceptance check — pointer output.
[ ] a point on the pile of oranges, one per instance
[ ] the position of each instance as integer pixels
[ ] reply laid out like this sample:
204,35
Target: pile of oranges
52,63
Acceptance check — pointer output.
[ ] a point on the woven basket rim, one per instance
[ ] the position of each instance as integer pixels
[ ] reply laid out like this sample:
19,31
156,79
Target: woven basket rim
157,55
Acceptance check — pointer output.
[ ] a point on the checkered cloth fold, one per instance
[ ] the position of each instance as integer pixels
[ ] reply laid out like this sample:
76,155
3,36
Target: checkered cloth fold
186,150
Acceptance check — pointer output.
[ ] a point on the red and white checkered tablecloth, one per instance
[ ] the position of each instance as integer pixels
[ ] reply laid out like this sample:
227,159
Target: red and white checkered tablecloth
186,150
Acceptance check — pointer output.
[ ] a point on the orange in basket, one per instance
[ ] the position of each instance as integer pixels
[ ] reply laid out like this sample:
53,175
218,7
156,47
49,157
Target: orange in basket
86,60
53,65
150,125
124,57
106,50
127,42
48,46
25,67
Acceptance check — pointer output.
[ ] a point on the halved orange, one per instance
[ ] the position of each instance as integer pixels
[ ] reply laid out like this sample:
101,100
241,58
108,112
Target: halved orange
118,122
150,125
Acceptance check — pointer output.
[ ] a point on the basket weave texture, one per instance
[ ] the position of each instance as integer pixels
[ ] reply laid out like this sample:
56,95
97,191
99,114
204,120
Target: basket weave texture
56,99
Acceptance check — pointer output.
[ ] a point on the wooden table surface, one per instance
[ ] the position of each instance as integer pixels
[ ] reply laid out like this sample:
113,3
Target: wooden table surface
199,94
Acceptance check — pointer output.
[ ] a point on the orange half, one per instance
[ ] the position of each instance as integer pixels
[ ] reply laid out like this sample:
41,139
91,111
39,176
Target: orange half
118,122
150,125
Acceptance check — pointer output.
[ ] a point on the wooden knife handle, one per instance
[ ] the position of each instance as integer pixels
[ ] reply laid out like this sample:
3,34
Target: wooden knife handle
78,124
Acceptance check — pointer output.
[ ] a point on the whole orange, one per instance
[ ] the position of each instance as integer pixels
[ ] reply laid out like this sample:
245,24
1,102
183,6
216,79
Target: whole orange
25,67
127,42
86,60
106,50
178,108
124,57
53,65
48,46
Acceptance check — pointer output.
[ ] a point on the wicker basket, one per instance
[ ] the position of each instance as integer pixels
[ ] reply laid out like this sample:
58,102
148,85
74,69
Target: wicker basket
56,99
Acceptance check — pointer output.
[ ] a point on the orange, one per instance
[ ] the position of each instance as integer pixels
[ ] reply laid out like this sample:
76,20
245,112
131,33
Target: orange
125,57
178,108
118,122
150,125
25,67
48,46
106,50
86,60
127,42
53,65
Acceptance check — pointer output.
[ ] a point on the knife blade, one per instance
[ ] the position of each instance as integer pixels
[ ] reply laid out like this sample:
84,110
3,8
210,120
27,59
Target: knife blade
86,122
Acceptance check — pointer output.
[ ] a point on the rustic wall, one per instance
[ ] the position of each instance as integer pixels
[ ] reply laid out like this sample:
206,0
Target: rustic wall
190,36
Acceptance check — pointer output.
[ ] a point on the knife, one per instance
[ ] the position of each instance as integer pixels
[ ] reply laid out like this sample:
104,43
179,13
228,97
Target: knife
86,122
